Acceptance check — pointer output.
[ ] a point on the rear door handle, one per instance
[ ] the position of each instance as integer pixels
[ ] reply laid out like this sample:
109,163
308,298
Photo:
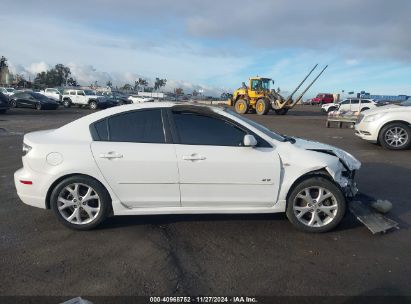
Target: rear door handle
111,155
193,157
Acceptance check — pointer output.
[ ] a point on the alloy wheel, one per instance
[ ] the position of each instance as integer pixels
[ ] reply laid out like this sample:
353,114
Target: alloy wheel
93,105
315,206
78,204
396,137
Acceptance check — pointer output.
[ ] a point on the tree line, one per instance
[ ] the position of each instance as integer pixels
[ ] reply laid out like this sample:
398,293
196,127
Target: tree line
60,75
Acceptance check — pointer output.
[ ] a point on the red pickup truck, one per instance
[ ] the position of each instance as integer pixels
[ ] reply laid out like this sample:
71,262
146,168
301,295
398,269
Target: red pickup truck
323,98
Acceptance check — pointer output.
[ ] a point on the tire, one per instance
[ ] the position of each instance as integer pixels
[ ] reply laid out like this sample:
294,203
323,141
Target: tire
38,106
75,203
67,103
262,106
364,109
317,216
395,136
13,104
281,111
241,106
92,105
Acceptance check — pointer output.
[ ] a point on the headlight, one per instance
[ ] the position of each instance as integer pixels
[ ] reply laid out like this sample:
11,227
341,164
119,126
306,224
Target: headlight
26,149
374,117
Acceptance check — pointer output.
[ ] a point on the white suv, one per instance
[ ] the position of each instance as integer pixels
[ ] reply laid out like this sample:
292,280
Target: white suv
52,93
7,91
352,104
389,126
80,97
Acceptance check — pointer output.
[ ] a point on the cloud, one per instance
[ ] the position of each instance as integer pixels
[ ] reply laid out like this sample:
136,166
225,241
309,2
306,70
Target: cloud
37,67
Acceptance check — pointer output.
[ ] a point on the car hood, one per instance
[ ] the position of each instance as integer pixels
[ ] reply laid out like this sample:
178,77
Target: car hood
346,158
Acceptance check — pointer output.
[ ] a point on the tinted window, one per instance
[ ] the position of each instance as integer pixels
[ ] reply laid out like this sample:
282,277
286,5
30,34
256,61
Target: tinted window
38,96
138,126
365,101
102,129
345,102
197,129
354,101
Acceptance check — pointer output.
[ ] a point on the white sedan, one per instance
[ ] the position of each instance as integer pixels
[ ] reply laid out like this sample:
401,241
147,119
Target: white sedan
140,99
353,105
389,125
168,158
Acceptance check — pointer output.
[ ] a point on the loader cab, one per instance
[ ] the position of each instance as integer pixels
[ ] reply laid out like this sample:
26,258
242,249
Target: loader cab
260,84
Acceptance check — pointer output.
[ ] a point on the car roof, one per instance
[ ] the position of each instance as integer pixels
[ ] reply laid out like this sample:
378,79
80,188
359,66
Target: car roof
70,129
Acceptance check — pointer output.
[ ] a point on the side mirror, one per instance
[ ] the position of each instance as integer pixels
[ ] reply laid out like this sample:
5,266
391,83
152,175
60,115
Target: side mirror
249,141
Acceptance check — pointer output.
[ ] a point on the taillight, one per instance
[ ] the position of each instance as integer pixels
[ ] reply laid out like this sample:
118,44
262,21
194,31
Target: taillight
26,149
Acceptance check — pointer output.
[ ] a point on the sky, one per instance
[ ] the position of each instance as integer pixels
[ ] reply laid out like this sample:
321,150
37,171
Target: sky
214,45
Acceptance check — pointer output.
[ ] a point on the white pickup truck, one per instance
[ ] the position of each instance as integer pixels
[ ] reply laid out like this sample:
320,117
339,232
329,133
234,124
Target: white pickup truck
81,98
52,93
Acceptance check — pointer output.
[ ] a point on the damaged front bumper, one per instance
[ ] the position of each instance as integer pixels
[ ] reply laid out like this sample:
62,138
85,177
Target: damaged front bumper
350,189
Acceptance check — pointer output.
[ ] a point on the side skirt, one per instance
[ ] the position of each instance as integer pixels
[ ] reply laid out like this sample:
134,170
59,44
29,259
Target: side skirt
278,207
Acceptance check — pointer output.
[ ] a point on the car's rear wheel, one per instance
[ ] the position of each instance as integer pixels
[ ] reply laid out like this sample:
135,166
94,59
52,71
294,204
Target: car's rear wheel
13,104
80,202
316,205
38,106
67,103
395,136
93,105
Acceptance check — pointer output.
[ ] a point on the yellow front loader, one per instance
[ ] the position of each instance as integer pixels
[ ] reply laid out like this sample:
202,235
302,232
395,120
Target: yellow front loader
258,96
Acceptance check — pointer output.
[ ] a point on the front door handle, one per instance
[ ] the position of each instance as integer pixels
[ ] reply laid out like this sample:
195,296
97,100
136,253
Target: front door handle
194,157
111,155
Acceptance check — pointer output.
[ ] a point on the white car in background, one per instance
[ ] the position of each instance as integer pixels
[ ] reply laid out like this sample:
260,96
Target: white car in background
389,125
52,93
140,99
168,158
351,104
7,91
81,98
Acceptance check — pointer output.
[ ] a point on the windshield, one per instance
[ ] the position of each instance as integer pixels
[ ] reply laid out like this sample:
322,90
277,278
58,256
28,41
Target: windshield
259,127
10,90
406,103
89,92
266,84
39,96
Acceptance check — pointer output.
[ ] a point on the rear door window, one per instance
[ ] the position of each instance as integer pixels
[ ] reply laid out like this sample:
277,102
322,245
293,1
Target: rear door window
144,126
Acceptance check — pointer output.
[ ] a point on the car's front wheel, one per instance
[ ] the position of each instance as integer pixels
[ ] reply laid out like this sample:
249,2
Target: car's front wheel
316,205
80,202
395,136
